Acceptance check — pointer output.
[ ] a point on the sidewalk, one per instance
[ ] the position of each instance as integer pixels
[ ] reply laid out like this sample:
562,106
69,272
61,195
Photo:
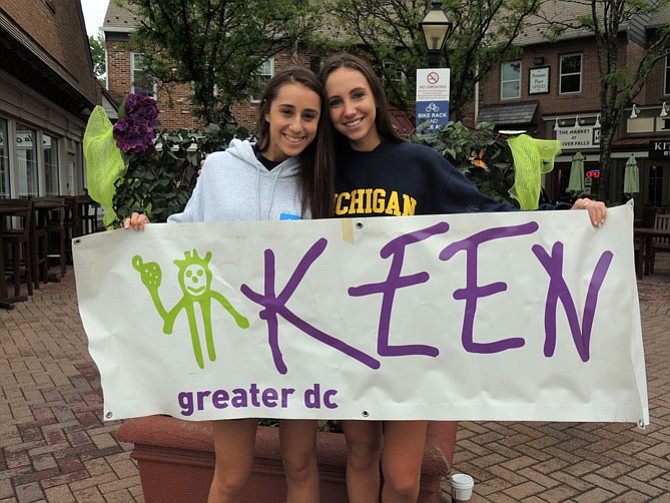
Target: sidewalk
583,462
54,446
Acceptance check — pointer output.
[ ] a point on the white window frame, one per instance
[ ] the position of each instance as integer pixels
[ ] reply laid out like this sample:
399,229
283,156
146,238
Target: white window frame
134,68
396,70
666,76
503,81
271,63
52,168
5,161
561,74
28,166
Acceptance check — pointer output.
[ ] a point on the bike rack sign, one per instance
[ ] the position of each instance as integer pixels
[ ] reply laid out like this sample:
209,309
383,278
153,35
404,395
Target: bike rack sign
432,97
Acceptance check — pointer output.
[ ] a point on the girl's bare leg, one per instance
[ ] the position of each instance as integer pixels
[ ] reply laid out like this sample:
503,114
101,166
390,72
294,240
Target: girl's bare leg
234,442
404,444
298,449
364,446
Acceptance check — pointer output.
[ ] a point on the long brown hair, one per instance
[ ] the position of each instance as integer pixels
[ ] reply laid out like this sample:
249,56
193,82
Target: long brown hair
383,118
317,165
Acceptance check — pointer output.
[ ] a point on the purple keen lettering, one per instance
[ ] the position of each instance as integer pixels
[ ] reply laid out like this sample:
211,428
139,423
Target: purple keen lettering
473,291
275,305
396,249
558,290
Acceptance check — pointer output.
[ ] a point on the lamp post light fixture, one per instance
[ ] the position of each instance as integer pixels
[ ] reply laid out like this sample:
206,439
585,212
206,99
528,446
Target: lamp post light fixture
435,27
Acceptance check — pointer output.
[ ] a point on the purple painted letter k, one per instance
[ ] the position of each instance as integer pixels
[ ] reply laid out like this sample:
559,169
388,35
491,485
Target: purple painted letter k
275,306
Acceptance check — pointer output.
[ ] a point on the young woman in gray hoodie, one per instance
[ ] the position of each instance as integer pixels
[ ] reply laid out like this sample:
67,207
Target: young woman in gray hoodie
287,174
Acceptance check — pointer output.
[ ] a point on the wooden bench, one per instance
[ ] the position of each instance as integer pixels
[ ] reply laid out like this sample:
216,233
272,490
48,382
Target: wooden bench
660,244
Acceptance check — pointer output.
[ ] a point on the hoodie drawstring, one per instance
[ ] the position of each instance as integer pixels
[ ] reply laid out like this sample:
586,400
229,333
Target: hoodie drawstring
276,174
272,194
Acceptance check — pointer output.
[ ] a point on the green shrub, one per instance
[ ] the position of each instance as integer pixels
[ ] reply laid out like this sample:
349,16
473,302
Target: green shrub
479,153
159,181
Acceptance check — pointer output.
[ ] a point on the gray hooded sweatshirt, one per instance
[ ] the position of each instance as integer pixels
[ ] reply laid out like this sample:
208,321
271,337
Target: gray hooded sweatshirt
234,185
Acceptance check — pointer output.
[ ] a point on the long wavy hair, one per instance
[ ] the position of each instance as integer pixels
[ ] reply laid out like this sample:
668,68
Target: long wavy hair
383,118
317,164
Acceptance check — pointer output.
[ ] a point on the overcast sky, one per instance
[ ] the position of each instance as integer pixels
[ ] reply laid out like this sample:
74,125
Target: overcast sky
94,13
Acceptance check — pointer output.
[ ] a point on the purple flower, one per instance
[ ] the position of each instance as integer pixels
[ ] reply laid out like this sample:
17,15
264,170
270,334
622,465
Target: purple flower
135,132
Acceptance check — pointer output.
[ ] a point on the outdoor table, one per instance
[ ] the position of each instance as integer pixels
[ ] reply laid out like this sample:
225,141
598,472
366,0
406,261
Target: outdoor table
7,302
645,237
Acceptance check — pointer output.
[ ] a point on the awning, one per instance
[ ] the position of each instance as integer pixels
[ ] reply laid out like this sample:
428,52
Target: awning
400,120
508,115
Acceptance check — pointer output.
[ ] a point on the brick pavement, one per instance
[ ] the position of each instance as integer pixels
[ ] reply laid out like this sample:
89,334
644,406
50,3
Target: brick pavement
583,462
54,446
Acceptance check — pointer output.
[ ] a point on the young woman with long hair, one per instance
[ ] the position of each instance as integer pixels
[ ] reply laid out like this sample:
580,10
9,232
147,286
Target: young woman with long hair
288,173
379,173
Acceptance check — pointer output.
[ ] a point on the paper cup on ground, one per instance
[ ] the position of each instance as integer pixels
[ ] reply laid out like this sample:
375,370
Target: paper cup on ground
461,487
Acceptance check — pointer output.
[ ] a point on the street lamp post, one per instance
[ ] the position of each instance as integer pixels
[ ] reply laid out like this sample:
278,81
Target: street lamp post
435,27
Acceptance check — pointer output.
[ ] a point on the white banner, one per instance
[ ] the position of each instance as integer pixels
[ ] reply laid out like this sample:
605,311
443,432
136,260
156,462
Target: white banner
509,316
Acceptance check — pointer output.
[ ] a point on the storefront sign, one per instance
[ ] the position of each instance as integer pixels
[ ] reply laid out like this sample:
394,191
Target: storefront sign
538,80
578,137
659,149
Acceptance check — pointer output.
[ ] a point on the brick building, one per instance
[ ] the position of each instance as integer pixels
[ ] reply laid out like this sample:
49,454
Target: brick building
552,91
124,75
47,90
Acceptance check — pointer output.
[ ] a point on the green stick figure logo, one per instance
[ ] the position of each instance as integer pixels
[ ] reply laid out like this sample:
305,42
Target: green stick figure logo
195,280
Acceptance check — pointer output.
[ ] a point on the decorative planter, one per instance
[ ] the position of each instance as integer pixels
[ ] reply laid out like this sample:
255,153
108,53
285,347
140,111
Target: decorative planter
176,461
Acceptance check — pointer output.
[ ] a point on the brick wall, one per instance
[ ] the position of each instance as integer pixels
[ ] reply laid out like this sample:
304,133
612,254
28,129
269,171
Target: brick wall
61,33
586,101
653,92
118,68
174,101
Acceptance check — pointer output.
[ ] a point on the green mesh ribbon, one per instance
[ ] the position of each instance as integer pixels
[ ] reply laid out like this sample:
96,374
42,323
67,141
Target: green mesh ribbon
532,157
104,164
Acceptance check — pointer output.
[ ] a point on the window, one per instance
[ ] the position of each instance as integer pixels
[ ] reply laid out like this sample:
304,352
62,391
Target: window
394,71
571,74
27,161
50,147
265,73
510,80
4,161
141,81
666,83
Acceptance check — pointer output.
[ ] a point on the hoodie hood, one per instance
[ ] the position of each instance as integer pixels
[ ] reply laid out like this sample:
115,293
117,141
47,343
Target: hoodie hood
234,185
245,152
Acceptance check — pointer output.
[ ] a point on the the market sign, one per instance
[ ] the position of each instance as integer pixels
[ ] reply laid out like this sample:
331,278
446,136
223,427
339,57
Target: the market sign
578,137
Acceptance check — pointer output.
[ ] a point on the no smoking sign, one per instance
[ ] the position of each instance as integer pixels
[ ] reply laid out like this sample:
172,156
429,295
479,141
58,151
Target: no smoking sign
432,96
433,78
